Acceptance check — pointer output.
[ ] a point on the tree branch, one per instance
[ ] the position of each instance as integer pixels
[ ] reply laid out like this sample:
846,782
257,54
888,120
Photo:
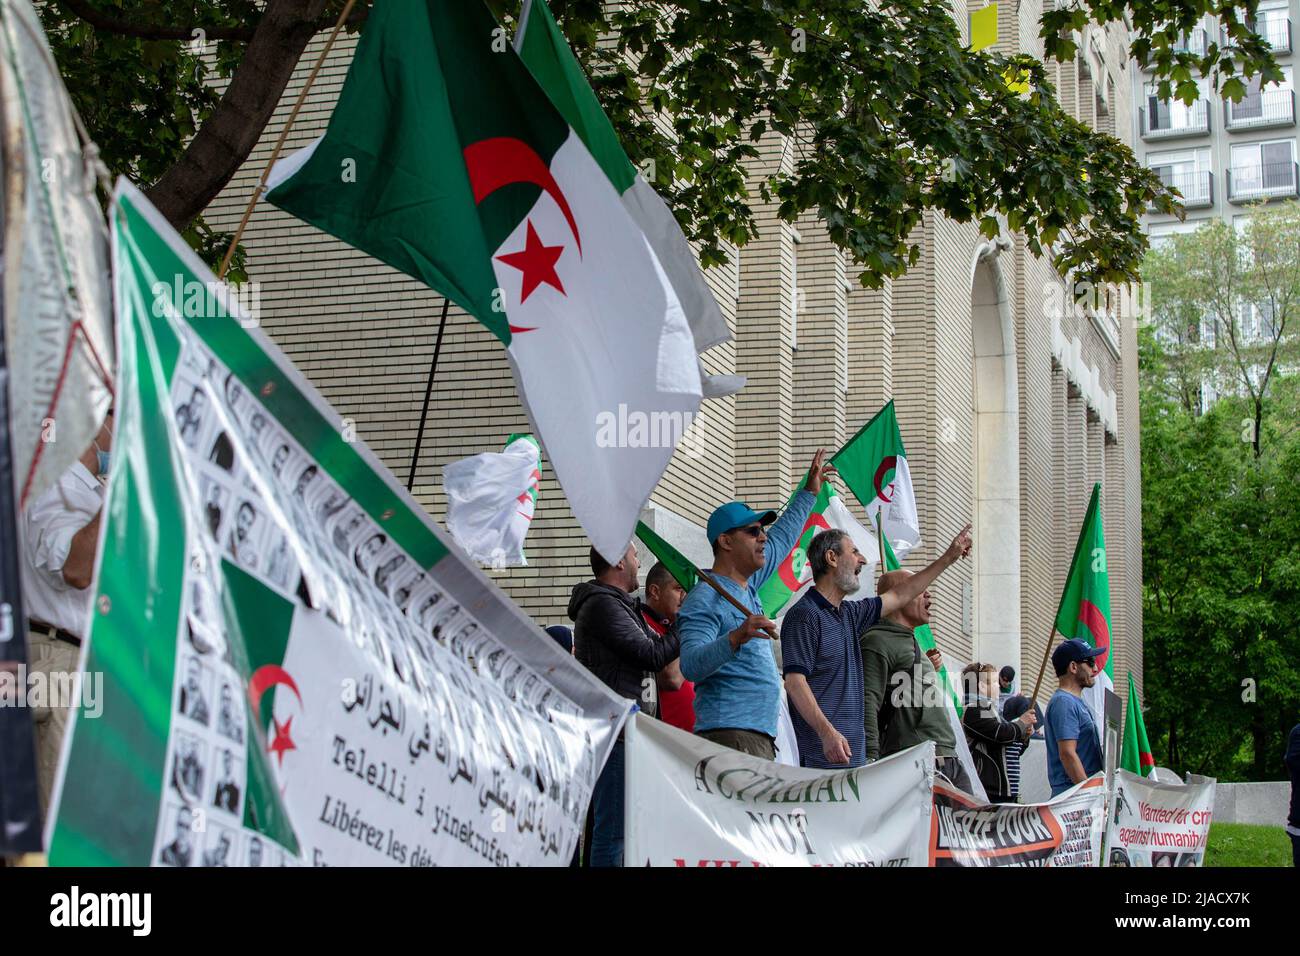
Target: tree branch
157,31
153,31
225,140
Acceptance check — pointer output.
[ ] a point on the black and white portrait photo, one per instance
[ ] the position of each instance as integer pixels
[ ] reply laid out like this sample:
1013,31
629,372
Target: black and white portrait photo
226,795
193,701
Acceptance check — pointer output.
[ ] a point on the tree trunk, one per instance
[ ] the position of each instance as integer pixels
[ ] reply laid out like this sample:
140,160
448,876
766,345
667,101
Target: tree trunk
223,142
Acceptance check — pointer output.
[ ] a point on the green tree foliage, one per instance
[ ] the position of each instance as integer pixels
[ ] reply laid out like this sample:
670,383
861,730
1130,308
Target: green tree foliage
1221,499
889,115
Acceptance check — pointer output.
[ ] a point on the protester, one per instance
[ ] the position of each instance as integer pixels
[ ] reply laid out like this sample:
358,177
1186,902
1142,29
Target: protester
821,656
60,540
1073,747
663,602
993,739
612,640
1006,680
1293,768
561,635
737,687
1013,708
904,703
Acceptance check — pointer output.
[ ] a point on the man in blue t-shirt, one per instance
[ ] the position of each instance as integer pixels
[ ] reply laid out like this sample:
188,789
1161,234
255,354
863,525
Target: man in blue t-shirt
1073,747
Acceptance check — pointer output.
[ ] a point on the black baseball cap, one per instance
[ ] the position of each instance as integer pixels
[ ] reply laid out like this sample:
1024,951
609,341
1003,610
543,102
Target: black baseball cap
1071,651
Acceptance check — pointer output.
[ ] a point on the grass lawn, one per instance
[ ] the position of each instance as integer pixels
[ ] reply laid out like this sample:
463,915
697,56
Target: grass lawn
1244,844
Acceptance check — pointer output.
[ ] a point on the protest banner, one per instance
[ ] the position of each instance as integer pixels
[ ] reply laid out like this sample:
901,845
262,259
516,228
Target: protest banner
1159,824
693,803
298,667
1062,832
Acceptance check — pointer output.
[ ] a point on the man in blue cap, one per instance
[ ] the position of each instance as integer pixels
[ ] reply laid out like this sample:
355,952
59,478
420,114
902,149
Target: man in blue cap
737,687
1073,748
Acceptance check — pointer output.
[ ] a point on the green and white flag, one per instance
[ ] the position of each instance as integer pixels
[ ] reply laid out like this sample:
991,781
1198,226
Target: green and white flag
874,466
491,500
445,159
794,573
297,667
546,53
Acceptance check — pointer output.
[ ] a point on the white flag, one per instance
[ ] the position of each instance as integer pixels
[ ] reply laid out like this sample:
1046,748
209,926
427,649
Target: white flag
491,499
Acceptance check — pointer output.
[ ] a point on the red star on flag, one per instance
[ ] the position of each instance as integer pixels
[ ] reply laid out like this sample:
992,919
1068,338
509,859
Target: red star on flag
282,742
536,262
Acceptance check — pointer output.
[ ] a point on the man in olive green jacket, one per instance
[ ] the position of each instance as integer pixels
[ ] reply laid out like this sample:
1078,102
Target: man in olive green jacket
902,688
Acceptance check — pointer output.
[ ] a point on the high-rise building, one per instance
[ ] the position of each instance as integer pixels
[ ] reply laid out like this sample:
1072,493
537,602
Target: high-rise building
1222,156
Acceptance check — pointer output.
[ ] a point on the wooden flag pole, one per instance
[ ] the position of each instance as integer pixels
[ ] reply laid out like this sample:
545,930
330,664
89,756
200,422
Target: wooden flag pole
731,599
284,134
880,541
1043,667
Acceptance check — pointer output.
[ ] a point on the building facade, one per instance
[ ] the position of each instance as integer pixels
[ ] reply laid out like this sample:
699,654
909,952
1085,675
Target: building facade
1010,405
1222,156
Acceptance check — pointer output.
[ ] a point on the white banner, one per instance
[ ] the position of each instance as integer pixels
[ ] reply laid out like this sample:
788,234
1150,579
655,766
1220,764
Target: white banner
57,306
1063,832
1159,824
693,803
298,667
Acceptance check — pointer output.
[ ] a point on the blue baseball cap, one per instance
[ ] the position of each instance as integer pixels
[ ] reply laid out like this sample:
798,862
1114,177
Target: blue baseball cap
1071,651
733,515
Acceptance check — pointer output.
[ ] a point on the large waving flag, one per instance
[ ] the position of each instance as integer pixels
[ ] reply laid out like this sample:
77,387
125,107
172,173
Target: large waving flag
546,53
1084,612
445,159
1136,756
874,466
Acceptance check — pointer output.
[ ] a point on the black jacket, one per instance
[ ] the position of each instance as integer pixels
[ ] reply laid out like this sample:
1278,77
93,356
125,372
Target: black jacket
1293,768
612,640
989,735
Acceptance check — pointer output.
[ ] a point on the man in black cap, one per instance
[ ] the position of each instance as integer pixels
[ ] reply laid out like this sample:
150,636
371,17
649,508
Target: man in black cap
1073,748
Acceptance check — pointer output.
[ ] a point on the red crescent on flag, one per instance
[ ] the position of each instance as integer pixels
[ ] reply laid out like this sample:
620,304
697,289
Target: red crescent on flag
786,571
891,461
1095,622
502,160
263,679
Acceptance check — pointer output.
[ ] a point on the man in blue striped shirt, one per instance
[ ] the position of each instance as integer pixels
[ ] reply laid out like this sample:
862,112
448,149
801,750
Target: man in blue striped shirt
822,651
737,687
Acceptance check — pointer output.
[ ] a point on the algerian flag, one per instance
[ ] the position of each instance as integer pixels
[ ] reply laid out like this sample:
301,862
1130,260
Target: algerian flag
491,499
874,466
546,53
445,159
1136,756
683,571
794,573
1084,612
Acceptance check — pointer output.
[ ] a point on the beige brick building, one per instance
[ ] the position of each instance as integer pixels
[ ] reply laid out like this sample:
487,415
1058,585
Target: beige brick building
1009,412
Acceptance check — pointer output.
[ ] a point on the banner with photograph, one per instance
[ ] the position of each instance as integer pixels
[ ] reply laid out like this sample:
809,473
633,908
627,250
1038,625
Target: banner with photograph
692,803
1159,824
1065,831
298,669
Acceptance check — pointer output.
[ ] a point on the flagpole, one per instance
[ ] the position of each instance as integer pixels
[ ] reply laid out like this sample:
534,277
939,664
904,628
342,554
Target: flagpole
731,599
284,134
880,539
1043,667
428,391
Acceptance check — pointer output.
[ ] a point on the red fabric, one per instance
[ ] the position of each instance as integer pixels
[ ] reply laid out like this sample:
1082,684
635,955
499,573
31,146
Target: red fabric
676,707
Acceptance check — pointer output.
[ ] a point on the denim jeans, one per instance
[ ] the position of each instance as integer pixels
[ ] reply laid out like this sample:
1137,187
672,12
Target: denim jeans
607,813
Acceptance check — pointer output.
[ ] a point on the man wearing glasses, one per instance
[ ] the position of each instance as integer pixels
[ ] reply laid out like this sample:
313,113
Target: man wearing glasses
737,686
1073,747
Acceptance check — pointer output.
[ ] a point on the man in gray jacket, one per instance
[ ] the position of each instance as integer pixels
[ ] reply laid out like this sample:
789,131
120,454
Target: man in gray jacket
612,640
